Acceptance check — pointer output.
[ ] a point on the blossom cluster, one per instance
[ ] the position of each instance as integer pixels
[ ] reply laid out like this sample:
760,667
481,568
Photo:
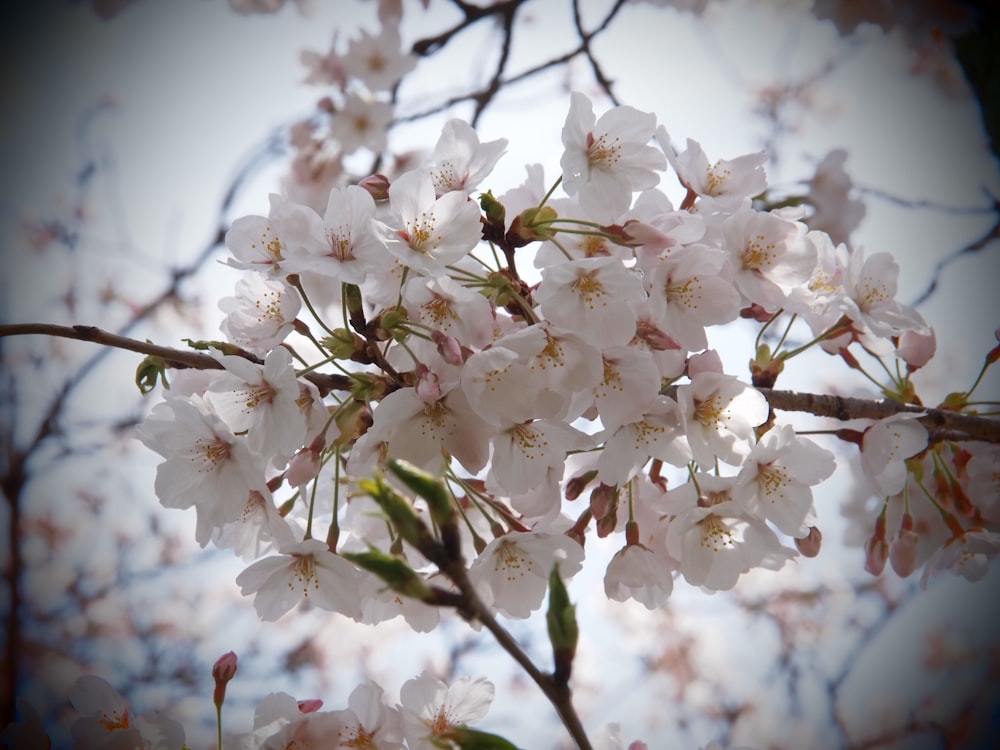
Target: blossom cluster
524,395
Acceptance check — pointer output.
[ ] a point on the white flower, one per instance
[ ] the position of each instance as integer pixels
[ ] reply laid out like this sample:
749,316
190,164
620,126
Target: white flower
445,305
429,233
871,296
303,572
431,707
461,162
770,256
591,297
715,540
885,447
262,402
775,480
379,61
342,244
361,122
630,384
427,433
258,529
261,314
256,241
512,573
834,212
524,452
690,289
967,555
206,465
606,159
724,186
719,414
637,572
106,721
657,434
367,722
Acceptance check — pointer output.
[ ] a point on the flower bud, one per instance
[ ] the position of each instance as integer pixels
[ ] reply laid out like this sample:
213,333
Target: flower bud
810,544
449,348
903,550
223,671
876,553
310,705
916,348
303,467
377,185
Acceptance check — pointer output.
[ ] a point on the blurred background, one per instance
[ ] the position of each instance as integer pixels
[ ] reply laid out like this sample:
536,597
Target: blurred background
133,133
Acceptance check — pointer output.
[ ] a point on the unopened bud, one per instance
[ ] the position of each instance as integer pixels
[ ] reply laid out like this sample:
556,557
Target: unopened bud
876,553
532,225
576,485
810,544
449,348
342,344
377,186
223,671
602,500
756,312
310,705
903,550
916,348
303,467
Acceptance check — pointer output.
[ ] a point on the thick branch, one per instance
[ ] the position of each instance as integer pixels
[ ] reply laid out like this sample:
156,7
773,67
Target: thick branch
844,408
175,358
954,424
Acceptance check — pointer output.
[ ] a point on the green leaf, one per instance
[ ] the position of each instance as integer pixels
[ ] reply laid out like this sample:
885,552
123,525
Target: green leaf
563,629
429,487
474,739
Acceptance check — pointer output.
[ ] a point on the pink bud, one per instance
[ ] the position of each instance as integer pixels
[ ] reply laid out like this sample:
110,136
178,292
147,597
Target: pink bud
707,361
654,337
810,544
303,467
602,500
876,553
903,550
310,705
916,348
377,185
449,348
428,387
222,672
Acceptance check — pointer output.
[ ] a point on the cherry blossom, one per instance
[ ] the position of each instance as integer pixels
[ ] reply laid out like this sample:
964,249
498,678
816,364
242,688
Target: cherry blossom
262,402
106,721
361,122
378,60
725,185
871,300
206,465
341,245
461,162
719,414
657,434
885,447
689,290
770,256
428,233
834,211
967,555
606,159
512,572
717,542
261,314
430,707
637,572
256,242
591,296
446,306
524,452
776,477
304,572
